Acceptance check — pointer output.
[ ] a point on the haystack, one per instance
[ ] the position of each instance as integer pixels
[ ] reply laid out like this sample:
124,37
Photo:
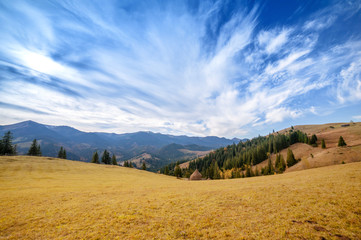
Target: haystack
196,175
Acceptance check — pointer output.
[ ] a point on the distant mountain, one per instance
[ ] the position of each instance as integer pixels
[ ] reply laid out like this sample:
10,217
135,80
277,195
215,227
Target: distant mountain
81,145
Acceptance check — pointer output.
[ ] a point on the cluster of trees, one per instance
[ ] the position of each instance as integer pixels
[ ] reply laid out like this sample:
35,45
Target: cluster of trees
106,159
239,158
128,164
6,145
62,153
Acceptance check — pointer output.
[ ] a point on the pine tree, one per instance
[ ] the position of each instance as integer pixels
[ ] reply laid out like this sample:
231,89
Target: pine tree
290,158
323,144
130,164
177,171
34,149
7,147
106,157
114,160
216,171
95,158
341,142
313,140
62,153
282,166
144,167
166,170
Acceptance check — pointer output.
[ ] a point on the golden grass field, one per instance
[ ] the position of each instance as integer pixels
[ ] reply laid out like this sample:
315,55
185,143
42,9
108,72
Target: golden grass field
47,198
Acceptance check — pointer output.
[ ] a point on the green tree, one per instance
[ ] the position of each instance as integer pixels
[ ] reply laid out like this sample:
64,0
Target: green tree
95,158
6,145
177,171
282,166
290,158
144,167
313,140
166,170
62,153
341,142
323,144
114,160
106,157
34,149
216,171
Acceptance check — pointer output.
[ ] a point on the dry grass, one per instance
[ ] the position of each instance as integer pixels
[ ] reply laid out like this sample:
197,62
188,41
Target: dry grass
313,157
43,198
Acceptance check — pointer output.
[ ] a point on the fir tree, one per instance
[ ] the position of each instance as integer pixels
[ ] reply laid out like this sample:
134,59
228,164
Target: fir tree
323,144
166,170
114,160
341,142
6,145
177,171
34,149
62,153
106,157
126,164
290,158
282,166
130,164
95,158
144,167
313,140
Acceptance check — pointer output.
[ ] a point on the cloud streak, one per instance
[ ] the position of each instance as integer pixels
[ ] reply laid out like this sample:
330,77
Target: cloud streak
173,68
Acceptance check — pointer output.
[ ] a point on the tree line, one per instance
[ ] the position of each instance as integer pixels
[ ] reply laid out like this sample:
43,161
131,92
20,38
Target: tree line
239,158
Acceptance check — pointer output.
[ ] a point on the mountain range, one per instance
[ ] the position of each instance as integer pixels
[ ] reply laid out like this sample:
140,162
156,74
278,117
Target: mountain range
155,149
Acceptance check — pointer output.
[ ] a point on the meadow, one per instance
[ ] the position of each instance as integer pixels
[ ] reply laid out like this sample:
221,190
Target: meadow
47,198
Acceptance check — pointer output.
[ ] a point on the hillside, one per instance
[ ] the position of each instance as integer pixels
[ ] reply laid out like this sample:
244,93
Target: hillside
312,157
81,145
45,198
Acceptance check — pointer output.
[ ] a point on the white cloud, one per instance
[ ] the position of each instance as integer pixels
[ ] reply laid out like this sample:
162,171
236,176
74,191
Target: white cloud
160,71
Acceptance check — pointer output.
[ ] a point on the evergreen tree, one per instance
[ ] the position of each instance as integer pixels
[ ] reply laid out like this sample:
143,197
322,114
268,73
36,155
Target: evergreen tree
114,160
313,140
62,153
270,166
216,171
126,164
323,144
290,158
166,170
34,149
282,166
106,157
341,142
95,158
177,171
130,164
6,145
144,167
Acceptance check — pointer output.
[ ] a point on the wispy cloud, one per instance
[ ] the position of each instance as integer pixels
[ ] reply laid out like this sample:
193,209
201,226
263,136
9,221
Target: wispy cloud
170,67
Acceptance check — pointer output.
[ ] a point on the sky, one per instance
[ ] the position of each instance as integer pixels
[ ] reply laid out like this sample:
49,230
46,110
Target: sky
197,68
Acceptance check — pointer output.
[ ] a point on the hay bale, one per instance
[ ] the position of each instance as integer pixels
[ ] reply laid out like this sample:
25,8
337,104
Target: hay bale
196,175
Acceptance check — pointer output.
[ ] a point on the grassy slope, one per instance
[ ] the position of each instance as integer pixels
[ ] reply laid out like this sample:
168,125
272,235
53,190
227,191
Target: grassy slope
324,157
43,198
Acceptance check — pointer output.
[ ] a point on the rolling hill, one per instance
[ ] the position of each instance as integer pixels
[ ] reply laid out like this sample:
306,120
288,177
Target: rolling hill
312,157
47,198
81,145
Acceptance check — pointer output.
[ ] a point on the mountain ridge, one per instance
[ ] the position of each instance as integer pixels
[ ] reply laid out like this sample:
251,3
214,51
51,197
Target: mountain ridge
81,145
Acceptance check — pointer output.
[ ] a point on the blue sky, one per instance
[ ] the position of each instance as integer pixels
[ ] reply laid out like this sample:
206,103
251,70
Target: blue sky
224,68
